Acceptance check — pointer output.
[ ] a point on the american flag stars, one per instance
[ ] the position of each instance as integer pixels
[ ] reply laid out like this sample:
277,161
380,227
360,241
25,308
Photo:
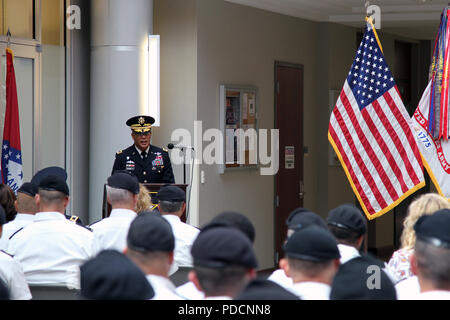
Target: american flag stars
369,77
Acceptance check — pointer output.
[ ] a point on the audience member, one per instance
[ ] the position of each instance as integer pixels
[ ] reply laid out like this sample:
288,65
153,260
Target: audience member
361,279
348,225
431,258
426,204
122,191
171,203
229,218
224,262
26,207
144,202
11,273
52,248
8,202
312,260
150,245
298,218
112,276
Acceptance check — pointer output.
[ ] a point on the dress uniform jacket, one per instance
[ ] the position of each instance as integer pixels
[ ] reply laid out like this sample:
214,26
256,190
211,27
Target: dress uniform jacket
21,220
155,168
111,232
12,274
51,249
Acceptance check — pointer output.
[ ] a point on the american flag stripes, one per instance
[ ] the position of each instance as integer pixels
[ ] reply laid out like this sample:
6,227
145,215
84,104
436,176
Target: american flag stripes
370,131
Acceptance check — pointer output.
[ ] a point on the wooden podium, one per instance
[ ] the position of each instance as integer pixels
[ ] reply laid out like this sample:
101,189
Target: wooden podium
153,189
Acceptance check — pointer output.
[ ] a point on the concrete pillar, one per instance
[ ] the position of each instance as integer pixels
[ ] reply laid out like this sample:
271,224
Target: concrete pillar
119,78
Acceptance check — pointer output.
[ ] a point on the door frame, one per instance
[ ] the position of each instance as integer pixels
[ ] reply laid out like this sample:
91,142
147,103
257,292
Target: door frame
275,89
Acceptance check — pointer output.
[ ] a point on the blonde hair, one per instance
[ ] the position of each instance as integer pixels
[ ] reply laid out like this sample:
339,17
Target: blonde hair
144,201
426,204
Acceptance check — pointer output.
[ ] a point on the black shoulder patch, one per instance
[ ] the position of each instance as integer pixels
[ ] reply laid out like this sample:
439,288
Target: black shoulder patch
15,233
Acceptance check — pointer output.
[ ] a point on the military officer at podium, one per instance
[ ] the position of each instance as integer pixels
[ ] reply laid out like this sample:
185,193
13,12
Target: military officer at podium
148,163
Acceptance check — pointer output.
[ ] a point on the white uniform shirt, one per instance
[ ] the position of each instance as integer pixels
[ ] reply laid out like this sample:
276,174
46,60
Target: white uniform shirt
190,292
408,288
433,295
21,220
347,253
111,232
185,236
163,287
51,249
280,277
312,290
12,274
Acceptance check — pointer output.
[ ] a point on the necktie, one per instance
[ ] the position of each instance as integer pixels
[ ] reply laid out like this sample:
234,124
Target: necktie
144,154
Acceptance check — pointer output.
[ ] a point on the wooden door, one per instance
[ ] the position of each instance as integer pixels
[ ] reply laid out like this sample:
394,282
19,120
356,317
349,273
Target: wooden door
289,188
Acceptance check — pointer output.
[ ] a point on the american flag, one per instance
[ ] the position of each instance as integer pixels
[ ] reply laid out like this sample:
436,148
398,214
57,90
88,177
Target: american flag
370,131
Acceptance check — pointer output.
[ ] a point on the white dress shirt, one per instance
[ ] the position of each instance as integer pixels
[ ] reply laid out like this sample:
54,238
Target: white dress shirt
280,277
312,290
185,236
51,249
190,292
111,232
433,295
347,253
21,220
12,274
163,287
408,288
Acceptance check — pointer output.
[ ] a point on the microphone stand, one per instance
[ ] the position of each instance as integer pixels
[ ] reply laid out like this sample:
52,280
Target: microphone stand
184,166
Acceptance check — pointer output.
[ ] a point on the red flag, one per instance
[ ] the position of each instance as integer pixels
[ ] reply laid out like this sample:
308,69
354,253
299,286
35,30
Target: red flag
12,173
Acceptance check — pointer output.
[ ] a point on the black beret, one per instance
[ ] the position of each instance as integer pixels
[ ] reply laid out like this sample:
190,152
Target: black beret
150,233
55,171
347,216
113,276
2,216
312,243
54,183
351,282
234,219
223,246
171,193
121,180
140,123
301,217
434,229
29,189
263,289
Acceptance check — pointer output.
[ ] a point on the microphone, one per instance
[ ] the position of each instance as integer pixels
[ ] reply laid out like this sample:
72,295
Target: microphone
178,146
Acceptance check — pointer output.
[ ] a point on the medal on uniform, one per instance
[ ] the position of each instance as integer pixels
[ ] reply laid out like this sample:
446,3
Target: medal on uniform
129,165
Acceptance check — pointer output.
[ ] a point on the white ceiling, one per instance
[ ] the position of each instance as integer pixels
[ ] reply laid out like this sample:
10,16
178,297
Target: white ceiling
416,18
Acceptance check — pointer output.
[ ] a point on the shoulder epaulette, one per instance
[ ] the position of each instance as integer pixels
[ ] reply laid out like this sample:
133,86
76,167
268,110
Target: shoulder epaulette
7,253
165,150
15,233
119,152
